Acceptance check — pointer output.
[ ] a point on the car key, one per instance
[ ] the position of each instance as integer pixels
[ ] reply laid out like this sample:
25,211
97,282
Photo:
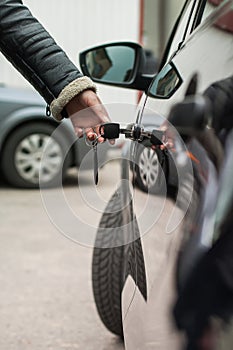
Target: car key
96,175
92,141
110,131
132,131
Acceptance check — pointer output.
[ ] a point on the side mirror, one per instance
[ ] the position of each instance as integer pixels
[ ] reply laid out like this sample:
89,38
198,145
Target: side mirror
118,64
165,83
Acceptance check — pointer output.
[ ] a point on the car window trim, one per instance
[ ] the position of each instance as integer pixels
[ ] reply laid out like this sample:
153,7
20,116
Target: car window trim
188,22
167,48
164,57
199,14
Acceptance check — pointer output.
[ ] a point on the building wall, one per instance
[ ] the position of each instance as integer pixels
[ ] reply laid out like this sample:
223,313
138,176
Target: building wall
159,18
79,24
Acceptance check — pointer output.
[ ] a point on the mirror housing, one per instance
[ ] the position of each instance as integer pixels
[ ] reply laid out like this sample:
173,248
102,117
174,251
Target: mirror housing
117,64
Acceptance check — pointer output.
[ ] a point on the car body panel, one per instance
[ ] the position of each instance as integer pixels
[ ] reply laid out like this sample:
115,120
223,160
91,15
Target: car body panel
198,54
153,315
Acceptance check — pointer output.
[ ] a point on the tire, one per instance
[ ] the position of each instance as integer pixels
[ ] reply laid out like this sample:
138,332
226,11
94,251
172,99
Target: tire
151,169
111,266
22,154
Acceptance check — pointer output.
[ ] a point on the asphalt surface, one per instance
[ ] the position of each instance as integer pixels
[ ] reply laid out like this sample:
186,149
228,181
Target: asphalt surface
46,300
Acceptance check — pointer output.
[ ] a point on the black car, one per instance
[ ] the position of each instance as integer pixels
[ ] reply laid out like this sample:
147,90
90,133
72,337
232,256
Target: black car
138,266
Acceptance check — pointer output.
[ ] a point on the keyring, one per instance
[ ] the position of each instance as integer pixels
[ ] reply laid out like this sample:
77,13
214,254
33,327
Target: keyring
87,138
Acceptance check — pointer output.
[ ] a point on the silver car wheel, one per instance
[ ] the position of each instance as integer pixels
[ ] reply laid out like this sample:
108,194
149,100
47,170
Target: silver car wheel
148,167
29,154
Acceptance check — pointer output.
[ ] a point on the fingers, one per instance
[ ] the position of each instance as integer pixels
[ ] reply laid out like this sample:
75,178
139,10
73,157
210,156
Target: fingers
87,113
94,133
91,134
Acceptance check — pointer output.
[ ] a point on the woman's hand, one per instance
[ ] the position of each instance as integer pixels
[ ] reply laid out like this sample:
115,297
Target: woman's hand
87,112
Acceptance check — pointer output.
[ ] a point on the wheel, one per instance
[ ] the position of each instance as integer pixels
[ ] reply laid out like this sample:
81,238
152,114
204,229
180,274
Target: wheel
108,270
111,266
150,168
22,154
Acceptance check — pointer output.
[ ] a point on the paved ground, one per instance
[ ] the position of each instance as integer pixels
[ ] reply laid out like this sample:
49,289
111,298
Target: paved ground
46,300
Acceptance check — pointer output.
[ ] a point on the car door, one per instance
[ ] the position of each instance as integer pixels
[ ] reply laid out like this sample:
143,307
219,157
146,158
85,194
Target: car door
191,64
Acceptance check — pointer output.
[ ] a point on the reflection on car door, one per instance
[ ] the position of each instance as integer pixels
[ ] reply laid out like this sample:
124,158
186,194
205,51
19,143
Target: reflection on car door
155,212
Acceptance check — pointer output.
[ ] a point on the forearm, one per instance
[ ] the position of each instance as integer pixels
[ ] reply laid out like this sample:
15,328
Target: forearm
31,49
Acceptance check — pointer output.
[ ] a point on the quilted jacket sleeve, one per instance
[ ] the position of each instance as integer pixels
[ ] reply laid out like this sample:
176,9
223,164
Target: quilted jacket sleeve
35,54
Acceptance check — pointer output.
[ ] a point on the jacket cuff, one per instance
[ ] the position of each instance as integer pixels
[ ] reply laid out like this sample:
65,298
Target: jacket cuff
68,93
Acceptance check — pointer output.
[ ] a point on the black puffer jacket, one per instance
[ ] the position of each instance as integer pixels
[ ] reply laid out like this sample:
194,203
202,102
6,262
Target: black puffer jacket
31,49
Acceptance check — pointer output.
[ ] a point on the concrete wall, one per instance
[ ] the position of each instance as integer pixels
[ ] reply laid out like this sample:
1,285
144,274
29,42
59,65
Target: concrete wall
79,24
159,18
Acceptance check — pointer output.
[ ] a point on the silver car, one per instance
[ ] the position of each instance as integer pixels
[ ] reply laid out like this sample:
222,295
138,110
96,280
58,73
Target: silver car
25,132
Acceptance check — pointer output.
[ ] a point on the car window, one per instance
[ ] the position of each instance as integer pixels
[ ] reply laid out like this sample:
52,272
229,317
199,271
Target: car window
194,12
210,6
206,8
183,28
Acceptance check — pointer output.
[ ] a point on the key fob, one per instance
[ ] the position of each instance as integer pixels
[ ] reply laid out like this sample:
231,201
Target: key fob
110,131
